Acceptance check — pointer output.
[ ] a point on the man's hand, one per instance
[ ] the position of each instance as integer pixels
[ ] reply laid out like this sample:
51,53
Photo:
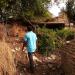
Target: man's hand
24,44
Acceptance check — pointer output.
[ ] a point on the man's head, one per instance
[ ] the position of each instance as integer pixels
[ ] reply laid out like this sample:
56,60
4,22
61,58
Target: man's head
30,28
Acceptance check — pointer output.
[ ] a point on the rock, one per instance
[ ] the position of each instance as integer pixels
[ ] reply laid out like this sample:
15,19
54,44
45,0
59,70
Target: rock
36,59
17,48
50,65
44,73
24,69
67,42
13,50
53,56
49,58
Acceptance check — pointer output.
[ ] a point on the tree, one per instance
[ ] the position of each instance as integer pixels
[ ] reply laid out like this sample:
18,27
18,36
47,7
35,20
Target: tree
71,10
34,7
22,8
9,8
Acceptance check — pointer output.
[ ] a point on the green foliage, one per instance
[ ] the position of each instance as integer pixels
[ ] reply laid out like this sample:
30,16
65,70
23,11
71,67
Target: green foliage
47,14
46,40
10,8
23,8
38,7
71,9
29,14
66,34
49,40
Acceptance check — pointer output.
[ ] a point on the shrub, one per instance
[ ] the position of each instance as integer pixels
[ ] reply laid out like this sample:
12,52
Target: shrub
66,34
49,40
46,40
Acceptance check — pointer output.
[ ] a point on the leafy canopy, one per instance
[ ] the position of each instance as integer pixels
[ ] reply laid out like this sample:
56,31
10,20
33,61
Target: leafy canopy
25,8
71,9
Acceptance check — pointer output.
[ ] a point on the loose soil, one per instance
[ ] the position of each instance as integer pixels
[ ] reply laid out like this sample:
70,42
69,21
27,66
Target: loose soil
60,62
68,58
43,65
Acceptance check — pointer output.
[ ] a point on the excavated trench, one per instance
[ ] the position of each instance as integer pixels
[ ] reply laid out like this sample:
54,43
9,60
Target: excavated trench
68,58
63,64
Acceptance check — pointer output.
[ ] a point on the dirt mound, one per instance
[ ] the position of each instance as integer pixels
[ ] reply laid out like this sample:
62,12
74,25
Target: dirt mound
68,58
7,66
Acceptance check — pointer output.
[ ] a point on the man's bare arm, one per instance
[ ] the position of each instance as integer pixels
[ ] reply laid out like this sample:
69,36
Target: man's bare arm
24,44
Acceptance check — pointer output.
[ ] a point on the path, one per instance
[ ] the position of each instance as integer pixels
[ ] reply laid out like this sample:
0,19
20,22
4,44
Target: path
68,58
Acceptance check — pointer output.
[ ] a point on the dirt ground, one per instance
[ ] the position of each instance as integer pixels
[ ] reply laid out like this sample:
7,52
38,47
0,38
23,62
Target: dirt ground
60,62
68,58
43,65
55,64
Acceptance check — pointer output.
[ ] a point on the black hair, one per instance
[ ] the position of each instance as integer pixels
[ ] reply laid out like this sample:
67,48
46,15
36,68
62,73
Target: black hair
30,28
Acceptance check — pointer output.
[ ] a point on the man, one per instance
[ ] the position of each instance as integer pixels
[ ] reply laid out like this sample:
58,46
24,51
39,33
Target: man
30,39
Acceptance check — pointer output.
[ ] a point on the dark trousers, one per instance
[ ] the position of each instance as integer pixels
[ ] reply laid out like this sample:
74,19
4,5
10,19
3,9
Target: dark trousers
31,62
